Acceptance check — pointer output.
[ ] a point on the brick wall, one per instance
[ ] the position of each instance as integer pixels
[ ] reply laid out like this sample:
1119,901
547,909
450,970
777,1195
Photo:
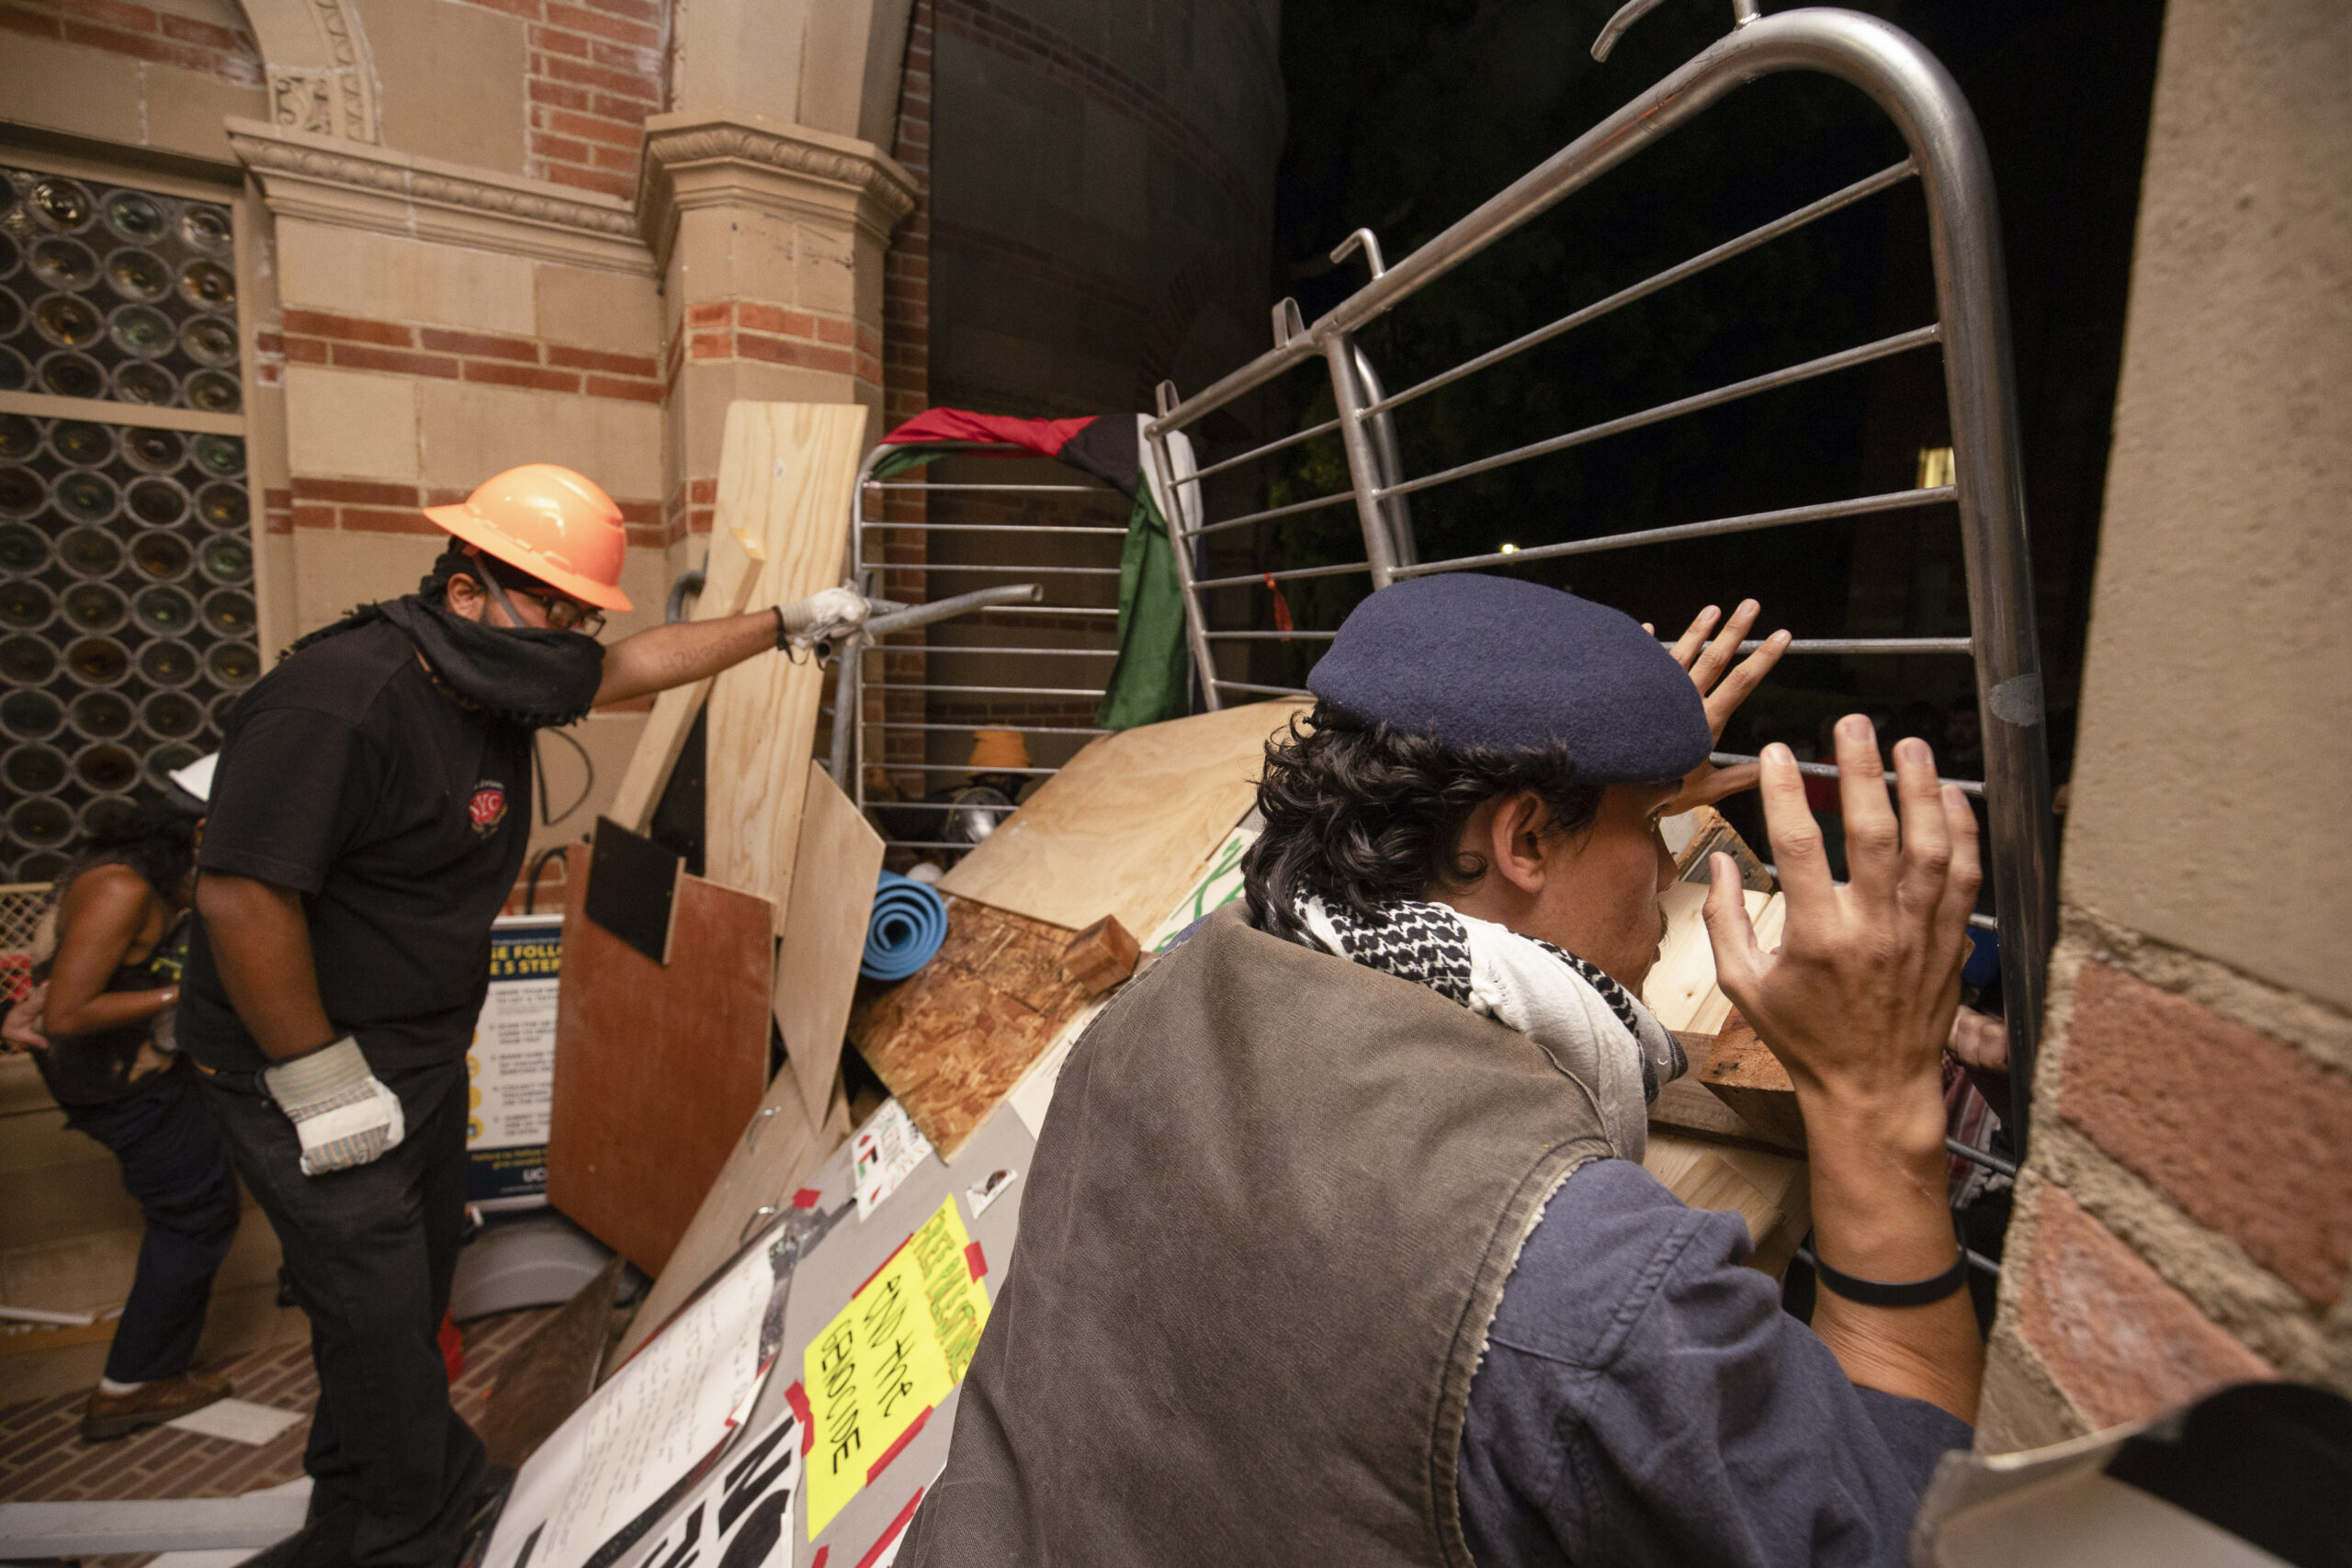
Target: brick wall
373,506
356,343
224,49
595,71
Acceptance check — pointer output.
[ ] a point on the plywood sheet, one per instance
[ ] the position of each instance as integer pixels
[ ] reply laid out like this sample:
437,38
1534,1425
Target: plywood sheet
778,1152
834,873
1123,827
657,1067
953,1041
730,573
785,473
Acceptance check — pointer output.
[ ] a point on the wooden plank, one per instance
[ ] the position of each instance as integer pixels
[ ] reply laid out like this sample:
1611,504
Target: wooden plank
1123,828
730,573
833,871
552,1373
657,1067
1687,1108
1745,1075
954,1039
1680,987
1768,1192
785,473
778,1152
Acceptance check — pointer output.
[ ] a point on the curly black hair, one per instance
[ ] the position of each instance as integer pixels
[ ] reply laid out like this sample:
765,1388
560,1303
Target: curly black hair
157,840
1360,814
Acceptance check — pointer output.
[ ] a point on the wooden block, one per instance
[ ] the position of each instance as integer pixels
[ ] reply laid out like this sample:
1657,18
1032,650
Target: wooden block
1685,1107
1125,825
657,1067
1101,956
785,476
834,873
1747,1077
778,1152
729,573
550,1374
954,1040
1768,1192
1699,833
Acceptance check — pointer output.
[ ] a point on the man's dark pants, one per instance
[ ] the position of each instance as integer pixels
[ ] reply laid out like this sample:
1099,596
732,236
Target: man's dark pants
370,1252
173,1165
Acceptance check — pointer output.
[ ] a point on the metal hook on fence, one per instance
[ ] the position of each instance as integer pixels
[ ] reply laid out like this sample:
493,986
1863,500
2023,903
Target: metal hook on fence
1367,241
1742,13
1289,324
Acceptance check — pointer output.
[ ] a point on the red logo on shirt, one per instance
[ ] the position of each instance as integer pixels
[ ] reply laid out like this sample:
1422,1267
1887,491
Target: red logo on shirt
488,808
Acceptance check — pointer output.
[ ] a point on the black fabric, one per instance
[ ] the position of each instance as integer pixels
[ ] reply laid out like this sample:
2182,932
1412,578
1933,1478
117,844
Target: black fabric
1111,449
370,1252
1476,660
1645,1401
103,1065
2269,1462
401,818
1266,1225
526,676
176,1169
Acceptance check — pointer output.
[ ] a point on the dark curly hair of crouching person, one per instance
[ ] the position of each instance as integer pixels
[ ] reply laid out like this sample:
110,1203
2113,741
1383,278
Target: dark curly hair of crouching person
1360,814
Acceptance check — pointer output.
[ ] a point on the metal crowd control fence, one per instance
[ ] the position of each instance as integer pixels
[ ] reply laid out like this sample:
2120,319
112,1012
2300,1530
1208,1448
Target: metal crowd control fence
1071,674
1946,156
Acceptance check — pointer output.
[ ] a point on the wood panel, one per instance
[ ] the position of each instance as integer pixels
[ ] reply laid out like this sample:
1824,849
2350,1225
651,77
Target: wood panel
552,1373
778,1152
1123,828
785,473
1768,1191
730,573
657,1067
834,873
1681,988
954,1039
1743,1073
1687,1107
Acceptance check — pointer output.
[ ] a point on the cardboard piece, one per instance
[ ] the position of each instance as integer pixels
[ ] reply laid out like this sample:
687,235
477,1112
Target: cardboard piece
731,571
833,871
637,888
1126,824
1750,1081
785,476
657,1067
953,1041
1101,956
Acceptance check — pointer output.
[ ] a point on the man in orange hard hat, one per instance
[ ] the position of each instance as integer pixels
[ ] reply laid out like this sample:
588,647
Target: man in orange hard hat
369,818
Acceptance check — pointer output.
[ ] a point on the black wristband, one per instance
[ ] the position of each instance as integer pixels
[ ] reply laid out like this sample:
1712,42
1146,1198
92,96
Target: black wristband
783,639
1871,1292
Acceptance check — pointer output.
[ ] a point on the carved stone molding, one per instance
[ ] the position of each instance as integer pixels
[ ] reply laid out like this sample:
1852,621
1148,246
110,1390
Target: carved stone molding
328,180
701,160
322,80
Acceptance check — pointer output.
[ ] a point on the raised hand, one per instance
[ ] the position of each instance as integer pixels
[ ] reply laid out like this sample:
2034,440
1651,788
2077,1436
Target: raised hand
1723,685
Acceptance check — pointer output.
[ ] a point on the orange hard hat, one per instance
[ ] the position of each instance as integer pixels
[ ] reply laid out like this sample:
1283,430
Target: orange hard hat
551,522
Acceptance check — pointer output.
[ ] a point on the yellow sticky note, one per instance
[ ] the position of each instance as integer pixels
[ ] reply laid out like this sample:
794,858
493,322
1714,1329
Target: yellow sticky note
880,1368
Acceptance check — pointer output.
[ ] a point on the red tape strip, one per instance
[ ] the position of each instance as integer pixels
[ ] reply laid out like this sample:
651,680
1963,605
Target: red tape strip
898,1527
975,1259
896,1449
797,1397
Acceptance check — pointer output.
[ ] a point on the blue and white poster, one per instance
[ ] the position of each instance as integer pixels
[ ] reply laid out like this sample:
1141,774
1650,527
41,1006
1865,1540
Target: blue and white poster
511,1065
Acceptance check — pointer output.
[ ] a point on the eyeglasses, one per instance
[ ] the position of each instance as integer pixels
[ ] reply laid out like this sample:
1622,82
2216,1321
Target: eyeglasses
567,614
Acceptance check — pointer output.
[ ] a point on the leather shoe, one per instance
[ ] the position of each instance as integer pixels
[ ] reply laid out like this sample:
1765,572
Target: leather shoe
111,1416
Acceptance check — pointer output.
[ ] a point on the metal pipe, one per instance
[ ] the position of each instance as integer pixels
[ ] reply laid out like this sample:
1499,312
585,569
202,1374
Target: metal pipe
1163,465
989,566
1820,512
987,724
1829,771
1985,1158
1856,646
689,582
1363,470
1284,576
1276,691
957,605
1789,375
1023,489
1022,529
1267,515
1197,475
1402,549
1009,691
1273,637
990,647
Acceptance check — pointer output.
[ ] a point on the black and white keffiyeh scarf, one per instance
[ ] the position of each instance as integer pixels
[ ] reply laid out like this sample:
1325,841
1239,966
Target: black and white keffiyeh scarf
1591,1027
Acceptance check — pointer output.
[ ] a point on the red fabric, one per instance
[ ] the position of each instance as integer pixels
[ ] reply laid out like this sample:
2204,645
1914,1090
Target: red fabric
1282,606
453,1347
1043,436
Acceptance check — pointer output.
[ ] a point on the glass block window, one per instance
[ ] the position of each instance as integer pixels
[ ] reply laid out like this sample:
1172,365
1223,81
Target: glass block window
126,618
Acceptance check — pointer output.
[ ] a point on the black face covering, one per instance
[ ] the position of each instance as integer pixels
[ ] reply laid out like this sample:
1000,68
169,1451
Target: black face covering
525,675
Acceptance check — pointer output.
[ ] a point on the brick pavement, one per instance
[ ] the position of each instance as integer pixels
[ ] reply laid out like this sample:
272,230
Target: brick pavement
44,1459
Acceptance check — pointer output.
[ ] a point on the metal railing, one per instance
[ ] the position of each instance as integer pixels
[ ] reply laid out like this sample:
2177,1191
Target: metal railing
1971,331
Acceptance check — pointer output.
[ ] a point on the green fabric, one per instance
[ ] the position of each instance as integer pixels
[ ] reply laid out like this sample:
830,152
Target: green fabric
1147,682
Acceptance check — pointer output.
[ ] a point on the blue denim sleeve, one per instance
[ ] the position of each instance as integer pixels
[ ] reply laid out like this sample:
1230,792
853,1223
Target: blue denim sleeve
1645,1400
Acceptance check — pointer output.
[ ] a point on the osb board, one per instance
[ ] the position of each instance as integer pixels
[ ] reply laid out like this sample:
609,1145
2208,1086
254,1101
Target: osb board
833,875
954,1040
657,1067
730,573
1125,825
1682,987
785,476
1768,1191
777,1155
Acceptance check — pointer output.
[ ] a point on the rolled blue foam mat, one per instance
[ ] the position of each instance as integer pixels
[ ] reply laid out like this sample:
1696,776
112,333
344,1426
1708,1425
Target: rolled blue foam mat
910,922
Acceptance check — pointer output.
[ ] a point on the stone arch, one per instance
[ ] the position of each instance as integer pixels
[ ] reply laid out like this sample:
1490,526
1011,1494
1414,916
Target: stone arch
321,79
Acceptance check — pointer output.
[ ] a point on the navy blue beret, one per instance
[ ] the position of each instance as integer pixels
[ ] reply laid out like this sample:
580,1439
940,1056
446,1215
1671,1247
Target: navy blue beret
1472,660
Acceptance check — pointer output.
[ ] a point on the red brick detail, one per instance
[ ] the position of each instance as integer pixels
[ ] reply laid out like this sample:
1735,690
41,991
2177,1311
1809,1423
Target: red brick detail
638,365
522,375
711,313
141,32
376,506
786,350
2121,1342
383,519
2246,1135
348,329
703,492
366,492
478,345
633,392
360,357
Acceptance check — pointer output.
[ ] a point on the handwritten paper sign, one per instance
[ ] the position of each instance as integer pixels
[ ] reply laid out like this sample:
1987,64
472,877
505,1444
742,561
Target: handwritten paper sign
880,1368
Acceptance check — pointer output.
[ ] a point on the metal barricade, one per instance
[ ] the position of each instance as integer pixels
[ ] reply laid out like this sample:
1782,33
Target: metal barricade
1071,645
1946,156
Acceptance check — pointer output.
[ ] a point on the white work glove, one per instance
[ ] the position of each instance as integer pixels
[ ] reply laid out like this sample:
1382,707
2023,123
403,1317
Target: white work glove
822,617
344,1116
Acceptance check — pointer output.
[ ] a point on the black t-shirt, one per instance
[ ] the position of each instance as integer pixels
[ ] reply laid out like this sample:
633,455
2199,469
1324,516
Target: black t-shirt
349,776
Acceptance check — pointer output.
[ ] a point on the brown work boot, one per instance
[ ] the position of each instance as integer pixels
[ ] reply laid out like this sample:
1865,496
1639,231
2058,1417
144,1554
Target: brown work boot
111,1416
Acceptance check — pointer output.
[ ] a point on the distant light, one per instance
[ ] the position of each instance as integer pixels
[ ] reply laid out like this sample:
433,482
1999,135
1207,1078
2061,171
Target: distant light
1935,467
1510,549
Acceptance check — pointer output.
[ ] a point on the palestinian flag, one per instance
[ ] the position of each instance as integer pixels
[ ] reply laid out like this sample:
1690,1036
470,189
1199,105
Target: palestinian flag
1147,682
